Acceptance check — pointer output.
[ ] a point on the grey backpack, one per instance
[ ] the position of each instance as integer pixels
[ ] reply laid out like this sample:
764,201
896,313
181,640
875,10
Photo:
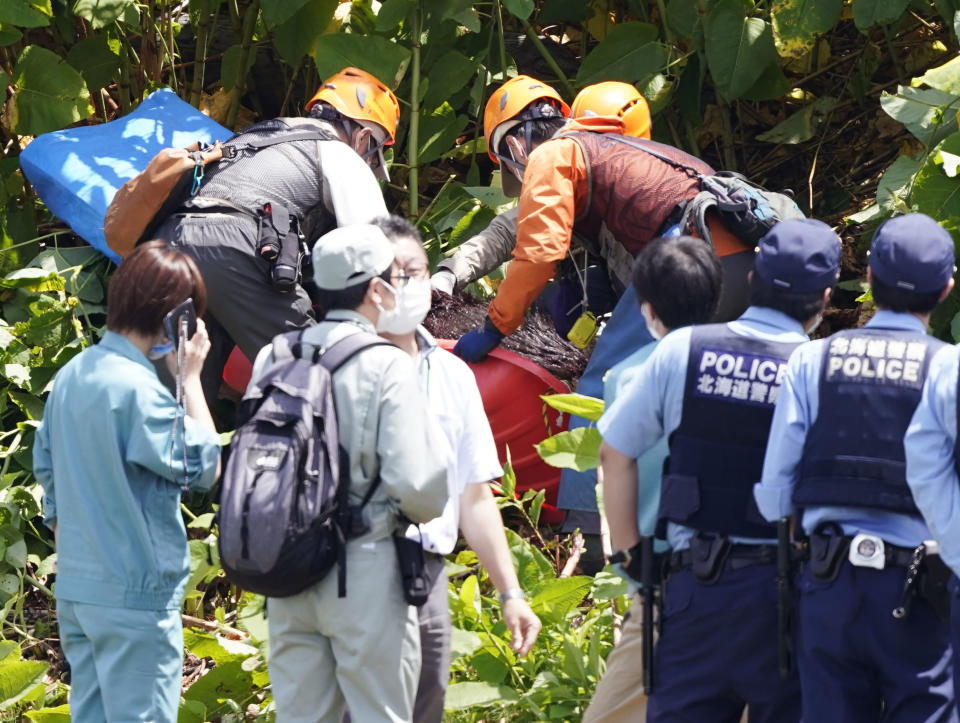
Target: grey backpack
284,510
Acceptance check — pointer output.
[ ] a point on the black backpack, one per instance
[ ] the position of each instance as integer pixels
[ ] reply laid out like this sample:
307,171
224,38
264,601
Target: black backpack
284,512
747,209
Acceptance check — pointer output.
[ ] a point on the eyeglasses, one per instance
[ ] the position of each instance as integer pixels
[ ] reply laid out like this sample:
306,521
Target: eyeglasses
403,277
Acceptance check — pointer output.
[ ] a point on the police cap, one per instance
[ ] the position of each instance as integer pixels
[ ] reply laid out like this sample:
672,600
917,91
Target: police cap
799,254
913,253
350,255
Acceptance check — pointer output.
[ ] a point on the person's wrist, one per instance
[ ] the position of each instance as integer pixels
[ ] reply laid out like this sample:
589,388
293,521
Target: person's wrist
513,593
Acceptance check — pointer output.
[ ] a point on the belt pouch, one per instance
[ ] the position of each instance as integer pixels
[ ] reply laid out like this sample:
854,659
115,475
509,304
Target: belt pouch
827,553
934,577
708,553
410,559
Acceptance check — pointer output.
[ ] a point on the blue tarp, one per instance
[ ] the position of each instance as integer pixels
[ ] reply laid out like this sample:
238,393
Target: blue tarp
77,171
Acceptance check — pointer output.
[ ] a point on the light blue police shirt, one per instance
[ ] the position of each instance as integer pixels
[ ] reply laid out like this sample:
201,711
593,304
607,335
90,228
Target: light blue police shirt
650,408
111,479
795,413
650,463
929,444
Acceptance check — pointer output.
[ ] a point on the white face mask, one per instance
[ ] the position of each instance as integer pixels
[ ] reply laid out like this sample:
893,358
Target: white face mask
654,328
411,308
816,322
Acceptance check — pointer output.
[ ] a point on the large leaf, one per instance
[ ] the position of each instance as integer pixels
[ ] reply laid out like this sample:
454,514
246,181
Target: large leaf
739,48
463,642
392,13
867,13
682,17
531,566
439,132
295,37
49,93
893,190
929,114
231,73
579,404
520,8
453,71
95,59
577,449
22,13
229,680
556,598
476,694
277,12
945,77
796,24
631,52
19,678
564,11
386,60
802,125
101,13
934,192
60,714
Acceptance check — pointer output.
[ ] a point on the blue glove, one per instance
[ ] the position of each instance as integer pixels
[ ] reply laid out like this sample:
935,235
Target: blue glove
475,345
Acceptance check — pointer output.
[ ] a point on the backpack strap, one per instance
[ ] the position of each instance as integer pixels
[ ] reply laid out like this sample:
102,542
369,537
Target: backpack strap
231,149
635,143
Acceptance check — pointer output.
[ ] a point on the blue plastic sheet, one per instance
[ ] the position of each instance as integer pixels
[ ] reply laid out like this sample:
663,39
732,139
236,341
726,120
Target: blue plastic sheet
77,171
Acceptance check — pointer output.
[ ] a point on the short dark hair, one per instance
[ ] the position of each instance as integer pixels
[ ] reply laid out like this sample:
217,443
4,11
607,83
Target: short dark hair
396,227
680,278
798,305
349,298
903,300
149,283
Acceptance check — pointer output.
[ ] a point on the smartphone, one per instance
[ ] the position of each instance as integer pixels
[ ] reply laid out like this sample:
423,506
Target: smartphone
171,322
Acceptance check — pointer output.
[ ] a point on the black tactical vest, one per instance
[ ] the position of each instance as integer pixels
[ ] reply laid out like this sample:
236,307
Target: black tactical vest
870,384
716,452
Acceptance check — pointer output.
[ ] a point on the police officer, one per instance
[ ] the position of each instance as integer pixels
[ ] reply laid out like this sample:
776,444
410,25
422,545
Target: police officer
869,648
710,390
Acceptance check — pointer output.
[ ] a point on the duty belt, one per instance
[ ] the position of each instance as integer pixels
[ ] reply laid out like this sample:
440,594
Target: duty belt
737,557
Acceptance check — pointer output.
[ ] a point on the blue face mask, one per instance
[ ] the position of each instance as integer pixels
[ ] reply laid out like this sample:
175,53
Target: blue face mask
159,351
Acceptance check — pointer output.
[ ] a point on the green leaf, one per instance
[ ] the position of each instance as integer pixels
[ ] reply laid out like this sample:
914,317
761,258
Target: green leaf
453,71
29,404
386,60
802,125
796,24
470,224
682,17
476,694
577,449
229,680
192,711
252,618
739,48
929,114
277,12
296,36
631,53
22,13
101,13
16,554
202,522
519,8
564,11
392,13
867,13
945,77
579,404
8,36
231,72
463,643
607,585
893,190
531,566
470,597
934,192
95,59
18,679
771,84
49,93
556,598
439,131
60,714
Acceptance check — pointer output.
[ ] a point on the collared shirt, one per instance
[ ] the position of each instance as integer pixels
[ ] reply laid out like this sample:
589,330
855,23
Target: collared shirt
384,426
795,413
929,444
650,409
650,463
454,399
111,468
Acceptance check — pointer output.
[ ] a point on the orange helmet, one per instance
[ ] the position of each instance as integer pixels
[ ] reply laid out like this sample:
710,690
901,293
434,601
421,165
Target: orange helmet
509,101
615,98
360,96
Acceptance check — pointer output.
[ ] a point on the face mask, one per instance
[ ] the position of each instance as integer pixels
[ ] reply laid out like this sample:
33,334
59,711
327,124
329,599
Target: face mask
653,328
412,306
815,324
159,351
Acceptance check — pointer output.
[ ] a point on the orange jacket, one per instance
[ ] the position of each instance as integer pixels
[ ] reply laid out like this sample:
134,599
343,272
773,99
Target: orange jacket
555,193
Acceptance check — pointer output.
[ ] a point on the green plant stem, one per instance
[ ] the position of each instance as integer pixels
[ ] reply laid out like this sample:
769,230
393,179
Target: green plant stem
436,198
541,48
240,86
413,137
888,37
123,87
199,68
187,512
667,33
39,585
503,45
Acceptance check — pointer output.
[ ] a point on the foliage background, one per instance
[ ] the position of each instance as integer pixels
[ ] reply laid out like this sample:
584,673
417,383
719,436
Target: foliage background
851,103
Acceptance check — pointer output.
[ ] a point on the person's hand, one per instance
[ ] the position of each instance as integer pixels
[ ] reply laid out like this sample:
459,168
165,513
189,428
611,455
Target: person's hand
475,345
195,350
444,281
523,624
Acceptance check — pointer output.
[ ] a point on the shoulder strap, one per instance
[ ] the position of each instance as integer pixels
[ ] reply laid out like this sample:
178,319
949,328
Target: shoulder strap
345,349
230,149
286,346
635,143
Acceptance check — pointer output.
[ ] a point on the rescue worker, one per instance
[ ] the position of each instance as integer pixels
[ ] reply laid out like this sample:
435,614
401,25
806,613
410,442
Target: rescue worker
616,198
362,651
710,391
265,196
679,280
865,649
454,399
